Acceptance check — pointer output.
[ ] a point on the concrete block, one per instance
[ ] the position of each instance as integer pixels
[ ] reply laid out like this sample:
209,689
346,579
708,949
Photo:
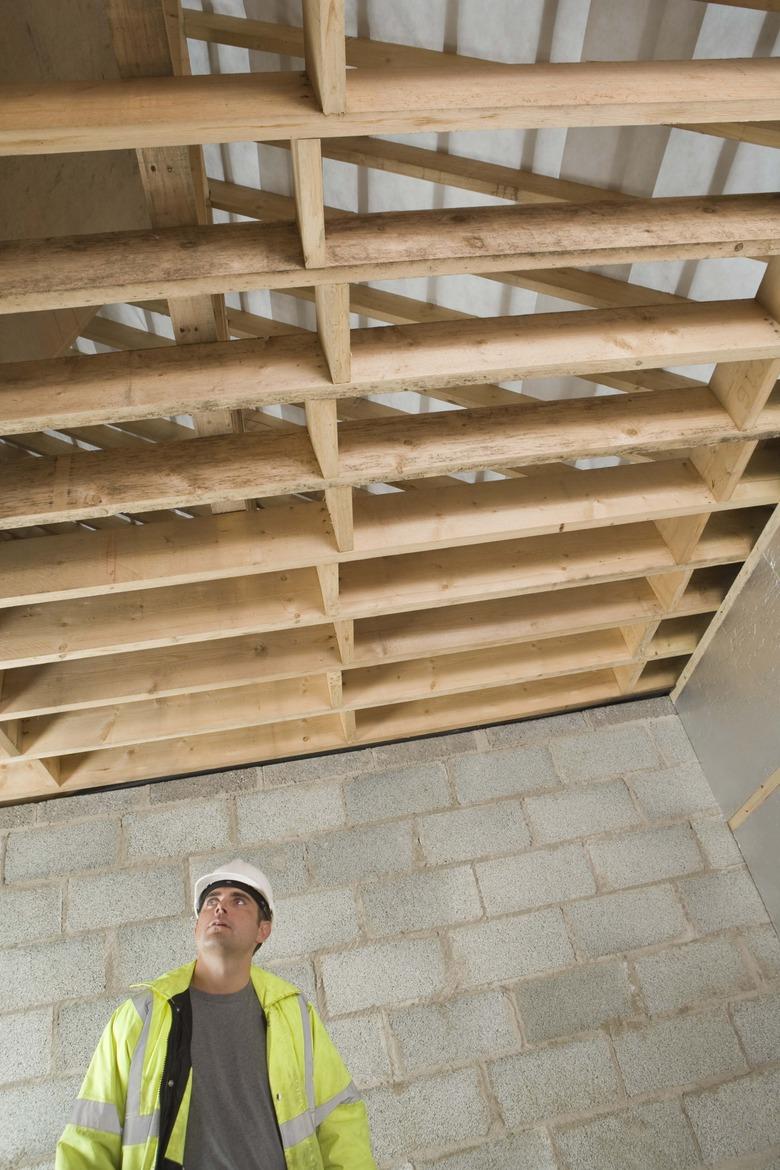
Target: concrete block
508,948
681,976
595,755
78,1028
487,775
284,865
46,972
29,914
439,1111
719,900
40,853
422,751
398,793
649,856
14,815
180,830
199,787
680,791
631,712
533,879
128,895
561,1079
758,1024
26,1048
673,743
581,812
717,842
737,1118
316,768
89,804
361,1042
464,833
382,973
579,1000
300,974
649,1137
422,901
520,1151
679,1051
289,812
463,1030
369,851
536,730
39,1111
312,922
626,921
765,948
148,949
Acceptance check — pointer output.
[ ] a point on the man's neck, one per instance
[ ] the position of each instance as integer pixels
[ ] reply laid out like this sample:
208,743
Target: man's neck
218,977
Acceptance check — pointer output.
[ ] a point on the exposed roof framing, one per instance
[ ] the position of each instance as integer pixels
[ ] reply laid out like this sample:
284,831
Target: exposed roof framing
239,538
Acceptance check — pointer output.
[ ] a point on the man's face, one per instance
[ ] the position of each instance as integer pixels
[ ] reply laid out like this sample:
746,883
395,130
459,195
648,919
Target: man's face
229,921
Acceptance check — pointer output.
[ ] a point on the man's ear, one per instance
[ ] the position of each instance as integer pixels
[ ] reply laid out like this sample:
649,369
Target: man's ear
263,930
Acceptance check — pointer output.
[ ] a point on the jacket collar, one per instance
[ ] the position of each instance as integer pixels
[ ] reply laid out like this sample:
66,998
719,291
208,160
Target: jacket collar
268,987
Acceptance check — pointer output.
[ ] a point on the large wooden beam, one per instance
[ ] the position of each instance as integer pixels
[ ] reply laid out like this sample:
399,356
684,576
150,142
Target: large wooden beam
115,388
209,611
169,553
168,475
187,755
88,683
108,115
127,266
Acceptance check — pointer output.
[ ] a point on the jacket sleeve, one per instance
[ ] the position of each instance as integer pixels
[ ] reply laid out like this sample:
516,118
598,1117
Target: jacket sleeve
92,1139
342,1123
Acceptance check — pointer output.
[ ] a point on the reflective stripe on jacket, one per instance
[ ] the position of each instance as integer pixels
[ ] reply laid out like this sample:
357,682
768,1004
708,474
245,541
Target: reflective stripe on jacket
132,1109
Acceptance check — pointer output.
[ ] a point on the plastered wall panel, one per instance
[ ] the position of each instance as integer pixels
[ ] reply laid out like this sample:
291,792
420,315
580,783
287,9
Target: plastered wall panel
730,708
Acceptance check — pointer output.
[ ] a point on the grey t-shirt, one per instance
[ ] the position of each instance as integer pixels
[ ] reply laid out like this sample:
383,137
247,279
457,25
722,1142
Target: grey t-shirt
231,1124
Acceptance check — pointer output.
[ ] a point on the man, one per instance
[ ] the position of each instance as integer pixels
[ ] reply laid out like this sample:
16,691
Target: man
218,1065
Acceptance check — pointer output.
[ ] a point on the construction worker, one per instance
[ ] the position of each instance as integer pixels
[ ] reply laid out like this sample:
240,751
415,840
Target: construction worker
218,1065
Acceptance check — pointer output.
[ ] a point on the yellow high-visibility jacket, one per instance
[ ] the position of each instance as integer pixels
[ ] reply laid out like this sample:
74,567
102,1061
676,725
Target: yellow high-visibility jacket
131,1112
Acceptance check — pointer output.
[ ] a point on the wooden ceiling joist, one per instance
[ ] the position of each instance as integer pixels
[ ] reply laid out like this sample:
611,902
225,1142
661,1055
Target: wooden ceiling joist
186,755
128,266
294,537
163,111
205,611
91,389
85,683
74,487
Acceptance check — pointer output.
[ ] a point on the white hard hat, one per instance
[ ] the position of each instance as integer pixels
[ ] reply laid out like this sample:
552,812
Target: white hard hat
235,871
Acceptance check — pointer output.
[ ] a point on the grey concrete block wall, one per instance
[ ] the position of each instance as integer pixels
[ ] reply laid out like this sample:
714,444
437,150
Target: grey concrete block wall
536,945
